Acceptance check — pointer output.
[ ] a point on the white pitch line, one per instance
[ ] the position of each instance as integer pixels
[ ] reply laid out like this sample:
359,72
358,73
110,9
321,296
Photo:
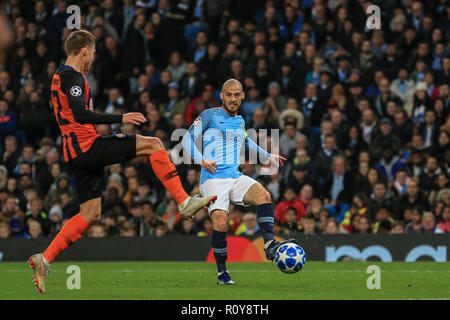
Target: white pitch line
254,271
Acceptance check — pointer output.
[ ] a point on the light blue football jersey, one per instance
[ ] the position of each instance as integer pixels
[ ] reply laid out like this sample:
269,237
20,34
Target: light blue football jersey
222,139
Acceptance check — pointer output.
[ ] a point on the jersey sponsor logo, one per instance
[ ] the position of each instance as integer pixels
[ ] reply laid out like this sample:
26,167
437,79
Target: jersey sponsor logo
76,91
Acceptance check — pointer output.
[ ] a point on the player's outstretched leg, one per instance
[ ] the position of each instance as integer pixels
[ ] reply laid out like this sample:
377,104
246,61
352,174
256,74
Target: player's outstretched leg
166,172
70,233
260,197
219,246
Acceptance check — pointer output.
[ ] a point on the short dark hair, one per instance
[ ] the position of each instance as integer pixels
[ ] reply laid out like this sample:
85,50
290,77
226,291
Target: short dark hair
309,216
77,40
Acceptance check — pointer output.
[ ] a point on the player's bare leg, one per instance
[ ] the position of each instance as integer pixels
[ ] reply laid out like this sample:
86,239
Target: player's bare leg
167,174
72,230
219,244
261,198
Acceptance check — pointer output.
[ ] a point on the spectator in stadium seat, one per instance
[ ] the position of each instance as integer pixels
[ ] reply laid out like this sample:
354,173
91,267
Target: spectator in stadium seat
128,229
172,217
403,126
384,138
188,228
440,111
251,103
176,103
5,231
8,121
55,215
61,184
381,198
441,187
429,174
429,224
415,225
207,228
352,144
34,229
385,95
400,182
308,225
444,224
110,222
251,225
332,227
208,101
439,149
287,139
389,164
337,188
135,54
11,153
300,177
364,226
36,213
98,230
421,103
428,129
325,157
289,200
275,103
191,84
397,227
368,124
414,197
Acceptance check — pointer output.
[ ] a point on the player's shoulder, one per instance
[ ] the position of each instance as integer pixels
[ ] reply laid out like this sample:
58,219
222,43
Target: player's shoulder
210,112
70,76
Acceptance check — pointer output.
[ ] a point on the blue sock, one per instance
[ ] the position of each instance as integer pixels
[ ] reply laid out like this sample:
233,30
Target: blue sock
219,245
264,213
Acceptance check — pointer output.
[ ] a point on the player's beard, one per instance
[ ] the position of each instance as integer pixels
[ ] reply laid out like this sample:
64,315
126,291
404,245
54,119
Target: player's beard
232,111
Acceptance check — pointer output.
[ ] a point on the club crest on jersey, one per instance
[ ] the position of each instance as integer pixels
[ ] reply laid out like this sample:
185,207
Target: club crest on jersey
75,91
197,121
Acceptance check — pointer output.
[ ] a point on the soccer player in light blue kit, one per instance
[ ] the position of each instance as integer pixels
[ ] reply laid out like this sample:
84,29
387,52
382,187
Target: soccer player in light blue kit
223,133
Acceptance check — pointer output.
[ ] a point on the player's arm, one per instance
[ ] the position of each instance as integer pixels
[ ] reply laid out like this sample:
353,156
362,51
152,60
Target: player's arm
252,146
73,87
195,131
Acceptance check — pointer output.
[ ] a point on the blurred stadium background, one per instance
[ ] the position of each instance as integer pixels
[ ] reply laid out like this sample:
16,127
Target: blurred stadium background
362,114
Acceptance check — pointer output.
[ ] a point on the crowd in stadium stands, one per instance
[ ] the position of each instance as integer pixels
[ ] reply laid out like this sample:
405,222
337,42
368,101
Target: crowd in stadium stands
363,113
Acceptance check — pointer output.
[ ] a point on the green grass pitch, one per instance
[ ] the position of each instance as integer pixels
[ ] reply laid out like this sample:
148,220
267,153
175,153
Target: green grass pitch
197,280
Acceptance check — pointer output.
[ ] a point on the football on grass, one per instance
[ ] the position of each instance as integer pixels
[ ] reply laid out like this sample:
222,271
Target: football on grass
290,258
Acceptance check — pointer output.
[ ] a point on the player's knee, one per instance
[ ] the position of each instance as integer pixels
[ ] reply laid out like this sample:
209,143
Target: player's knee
154,144
221,226
267,197
91,217
264,197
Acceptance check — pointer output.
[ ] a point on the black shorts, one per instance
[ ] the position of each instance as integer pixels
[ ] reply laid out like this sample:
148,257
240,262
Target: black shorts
88,168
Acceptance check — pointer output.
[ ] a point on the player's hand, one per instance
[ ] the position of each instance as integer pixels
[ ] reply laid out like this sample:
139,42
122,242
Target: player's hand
136,118
276,158
209,165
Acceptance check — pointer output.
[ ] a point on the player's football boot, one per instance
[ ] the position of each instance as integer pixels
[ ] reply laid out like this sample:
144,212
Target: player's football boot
41,269
225,279
272,246
189,208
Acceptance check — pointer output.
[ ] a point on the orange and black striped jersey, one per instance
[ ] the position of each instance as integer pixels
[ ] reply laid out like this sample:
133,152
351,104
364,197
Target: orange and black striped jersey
71,100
